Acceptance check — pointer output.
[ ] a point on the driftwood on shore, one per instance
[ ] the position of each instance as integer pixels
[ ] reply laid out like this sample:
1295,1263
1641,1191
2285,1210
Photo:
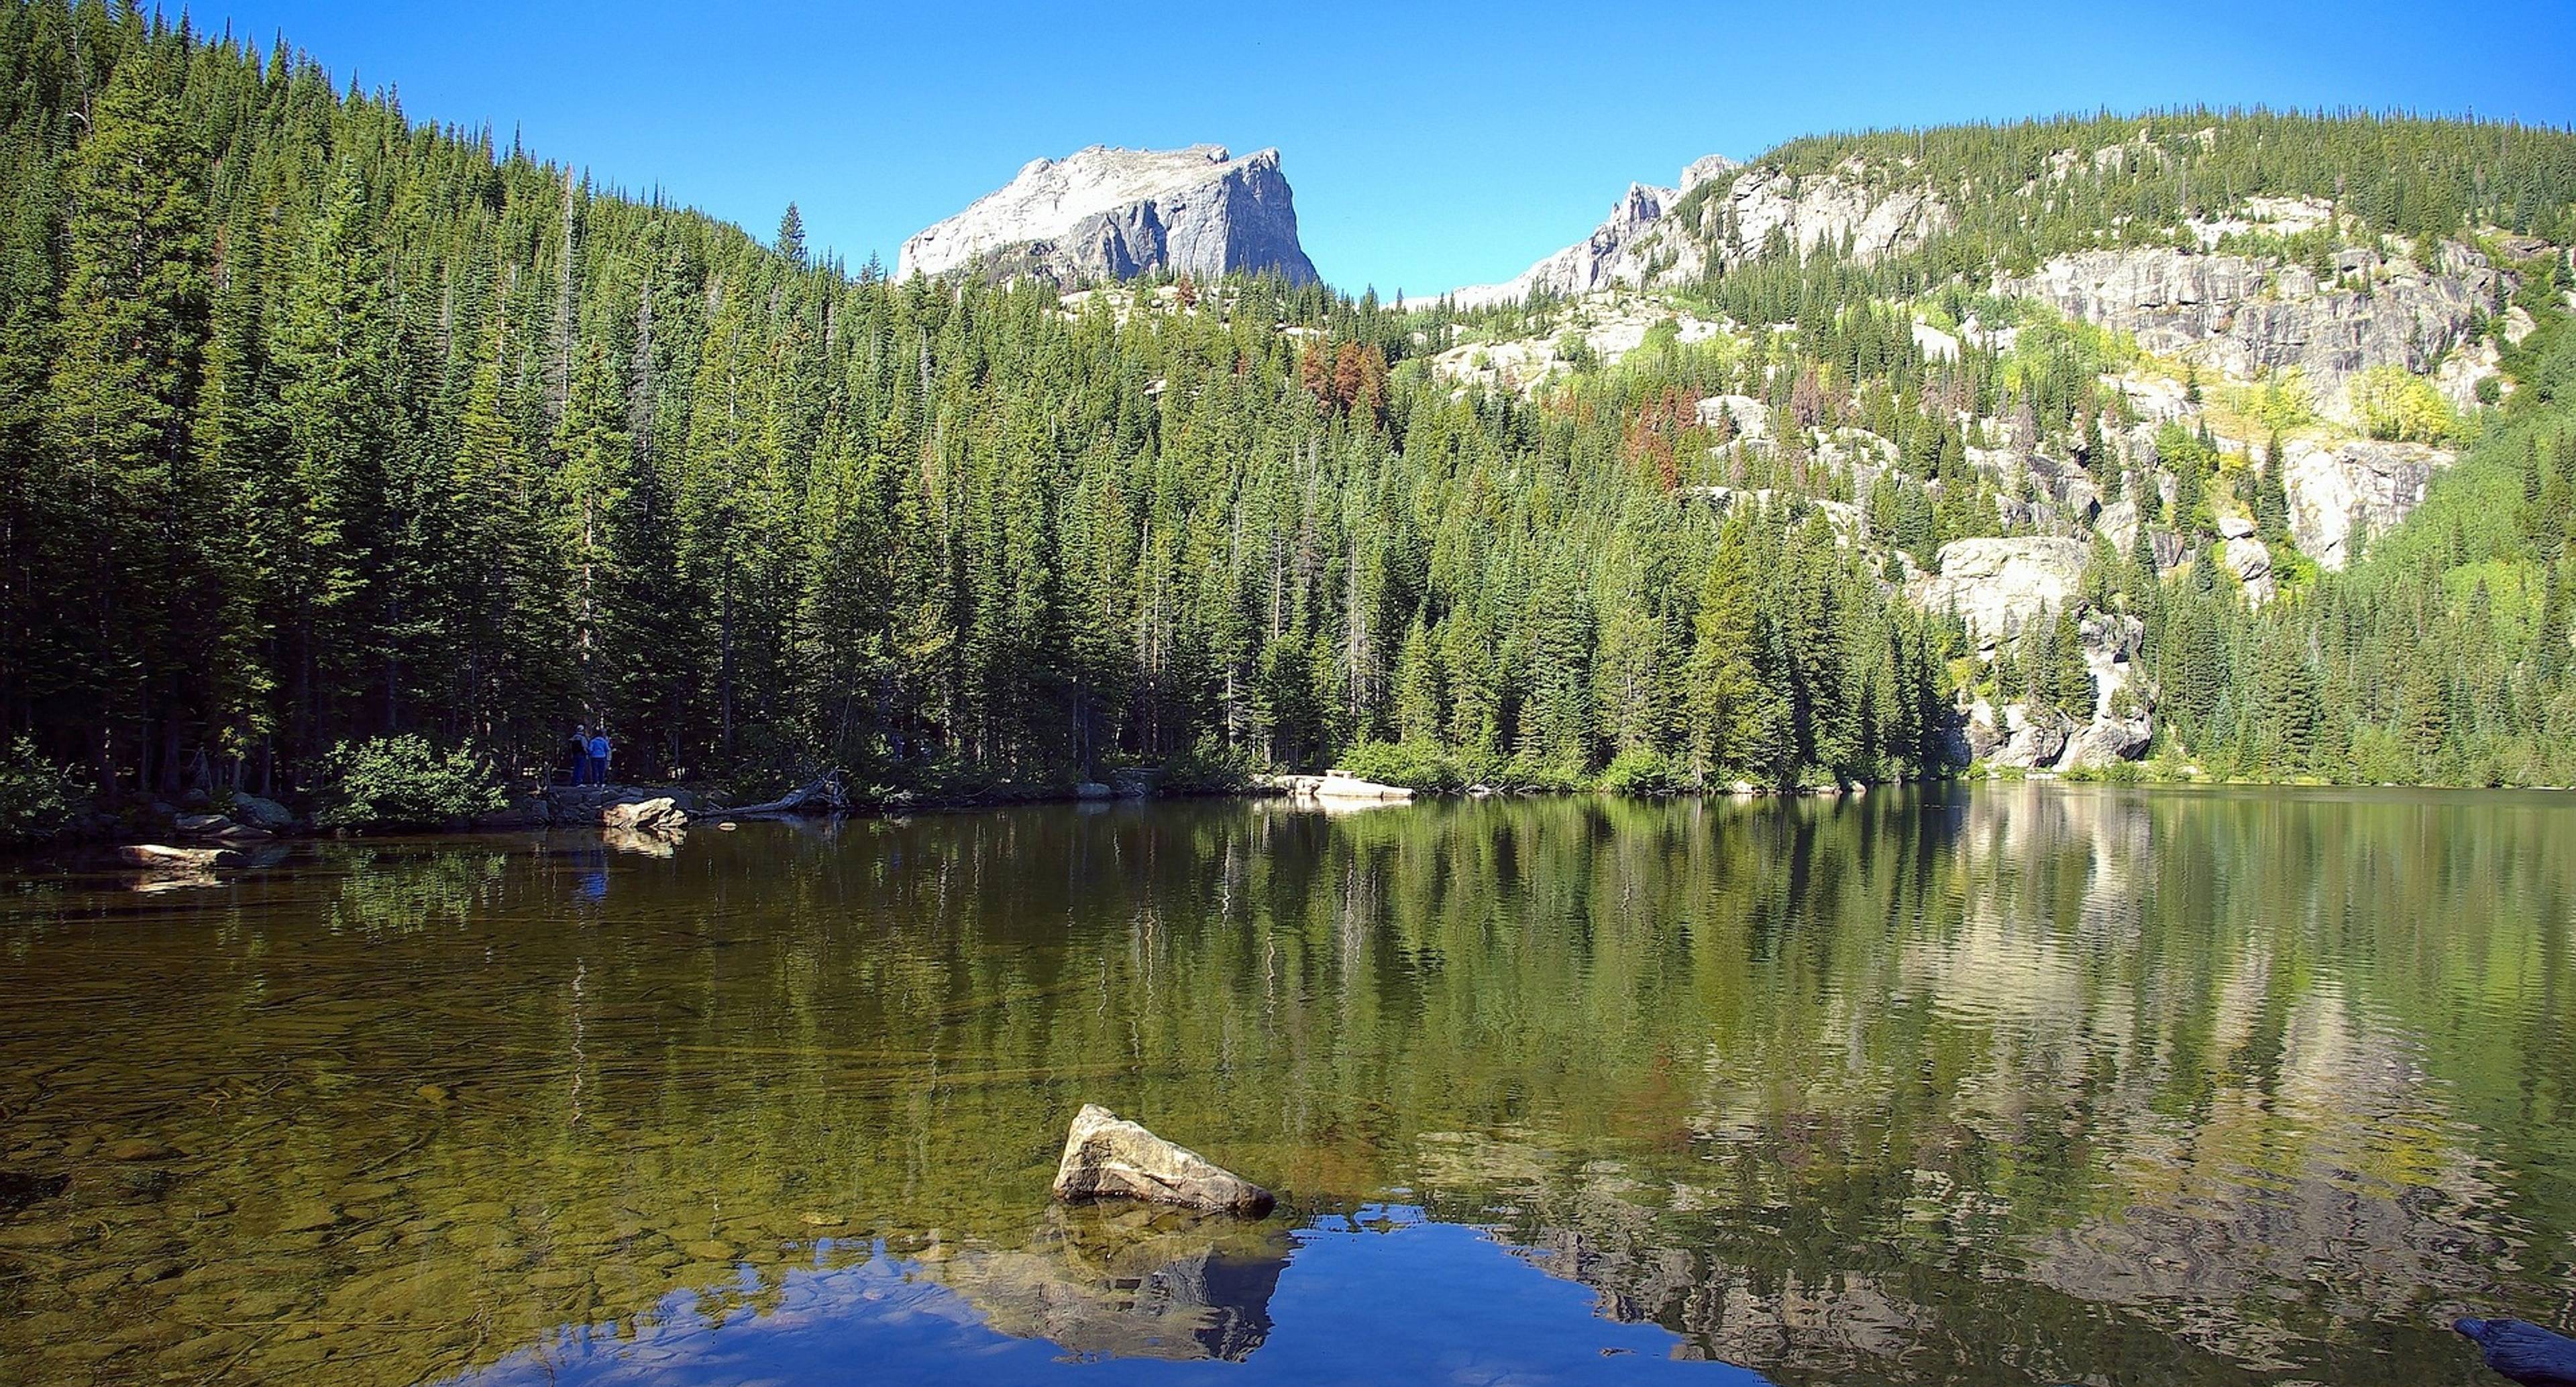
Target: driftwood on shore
824,796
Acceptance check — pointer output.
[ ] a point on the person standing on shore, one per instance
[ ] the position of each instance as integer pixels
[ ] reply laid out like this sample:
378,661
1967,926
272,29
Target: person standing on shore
599,757
580,754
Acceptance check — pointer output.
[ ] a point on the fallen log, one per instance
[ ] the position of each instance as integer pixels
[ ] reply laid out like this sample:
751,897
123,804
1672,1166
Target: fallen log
824,796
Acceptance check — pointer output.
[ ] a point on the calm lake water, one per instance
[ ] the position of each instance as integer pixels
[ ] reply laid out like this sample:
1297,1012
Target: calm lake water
2019,1084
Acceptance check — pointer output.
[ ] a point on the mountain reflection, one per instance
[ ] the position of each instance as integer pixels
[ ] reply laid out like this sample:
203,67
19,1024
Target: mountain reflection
2012,1085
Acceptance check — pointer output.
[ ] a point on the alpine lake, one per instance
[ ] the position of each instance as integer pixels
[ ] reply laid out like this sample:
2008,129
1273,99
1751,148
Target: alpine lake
2011,1084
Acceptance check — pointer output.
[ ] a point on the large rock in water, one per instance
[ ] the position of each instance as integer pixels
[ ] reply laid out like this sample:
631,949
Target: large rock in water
1108,1157
1113,214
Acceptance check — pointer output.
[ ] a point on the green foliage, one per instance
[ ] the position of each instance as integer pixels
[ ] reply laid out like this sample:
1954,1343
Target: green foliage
1419,765
36,796
404,782
1645,773
2393,405
320,427
1207,767
2280,405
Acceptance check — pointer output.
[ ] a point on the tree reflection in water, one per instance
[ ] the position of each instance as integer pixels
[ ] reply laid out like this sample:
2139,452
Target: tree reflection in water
2012,1085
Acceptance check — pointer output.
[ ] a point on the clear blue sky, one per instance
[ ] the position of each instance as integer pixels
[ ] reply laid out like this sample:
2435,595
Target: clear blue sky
1430,145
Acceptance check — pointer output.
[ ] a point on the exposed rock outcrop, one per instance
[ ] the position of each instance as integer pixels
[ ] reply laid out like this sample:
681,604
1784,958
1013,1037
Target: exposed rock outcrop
2245,319
2014,737
1113,214
1743,415
2339,492
1608,326
2251,562
1107,1157
1672,235
1335,784
1998,586
2120,724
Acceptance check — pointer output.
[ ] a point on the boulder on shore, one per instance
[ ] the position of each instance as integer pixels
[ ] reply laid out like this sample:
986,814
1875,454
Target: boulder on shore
658,816
261,813
1108,1157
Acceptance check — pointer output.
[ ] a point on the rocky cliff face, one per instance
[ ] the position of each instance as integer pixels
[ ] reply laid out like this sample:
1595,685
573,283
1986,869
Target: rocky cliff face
1113,214
1999,588
2243,319
1660,235
2338,493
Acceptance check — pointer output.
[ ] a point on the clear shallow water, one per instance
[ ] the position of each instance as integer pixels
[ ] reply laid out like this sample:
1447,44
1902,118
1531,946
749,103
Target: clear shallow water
2013,1085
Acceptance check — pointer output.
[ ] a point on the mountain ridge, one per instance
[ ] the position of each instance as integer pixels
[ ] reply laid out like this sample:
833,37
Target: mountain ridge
1107,214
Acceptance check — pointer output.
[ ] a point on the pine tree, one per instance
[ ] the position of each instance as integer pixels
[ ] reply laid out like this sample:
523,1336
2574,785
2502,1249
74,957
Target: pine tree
332,360
2271,494
791,237
1733,720
119,402
1419,715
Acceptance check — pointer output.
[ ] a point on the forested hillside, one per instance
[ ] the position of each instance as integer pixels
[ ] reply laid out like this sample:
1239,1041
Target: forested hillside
318,424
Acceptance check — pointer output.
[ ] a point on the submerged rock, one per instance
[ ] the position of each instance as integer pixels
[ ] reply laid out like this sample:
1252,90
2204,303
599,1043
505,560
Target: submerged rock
20,1188
1108,1157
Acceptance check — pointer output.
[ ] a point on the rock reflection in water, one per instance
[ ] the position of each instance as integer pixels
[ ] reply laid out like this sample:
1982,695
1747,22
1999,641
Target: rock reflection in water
1125,1282
2019,1085
1381,1294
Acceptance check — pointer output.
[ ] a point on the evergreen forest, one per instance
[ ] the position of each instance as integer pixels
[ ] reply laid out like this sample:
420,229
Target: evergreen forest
320,424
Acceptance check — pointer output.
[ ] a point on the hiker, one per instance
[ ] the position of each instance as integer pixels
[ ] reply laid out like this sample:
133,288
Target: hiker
599,757
581,754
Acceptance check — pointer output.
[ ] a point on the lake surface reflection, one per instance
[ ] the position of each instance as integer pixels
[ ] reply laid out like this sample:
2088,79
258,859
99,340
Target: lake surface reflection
2018,1084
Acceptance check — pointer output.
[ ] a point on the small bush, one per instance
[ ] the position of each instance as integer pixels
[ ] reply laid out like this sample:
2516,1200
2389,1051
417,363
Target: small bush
1643,772
36,796
1530,775
403,782
1209,768
1417,765
2396,407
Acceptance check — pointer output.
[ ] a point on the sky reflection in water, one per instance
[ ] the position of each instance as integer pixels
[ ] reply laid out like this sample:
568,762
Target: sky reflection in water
1387,1296
1998,1087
